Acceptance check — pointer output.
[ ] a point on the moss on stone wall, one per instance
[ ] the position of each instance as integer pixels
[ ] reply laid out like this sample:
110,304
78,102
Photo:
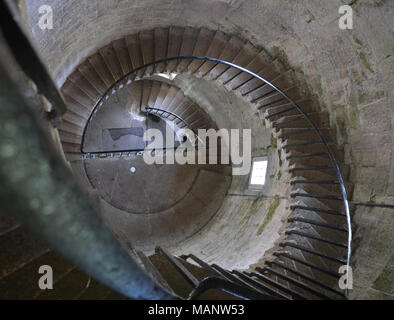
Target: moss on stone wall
385,280
280,158
282,57
271,210
274,143
365,62
357,41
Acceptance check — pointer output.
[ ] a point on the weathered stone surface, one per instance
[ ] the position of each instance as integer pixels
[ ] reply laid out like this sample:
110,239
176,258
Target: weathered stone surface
351,71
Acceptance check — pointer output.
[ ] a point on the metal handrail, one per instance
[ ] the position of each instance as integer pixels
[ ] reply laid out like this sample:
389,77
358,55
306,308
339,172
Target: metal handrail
112,89
148,109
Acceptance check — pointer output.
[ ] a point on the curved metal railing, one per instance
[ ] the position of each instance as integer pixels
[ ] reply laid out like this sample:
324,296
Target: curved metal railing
133,76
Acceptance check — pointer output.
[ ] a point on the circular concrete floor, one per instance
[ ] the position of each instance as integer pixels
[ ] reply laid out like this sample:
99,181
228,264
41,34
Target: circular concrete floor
149,189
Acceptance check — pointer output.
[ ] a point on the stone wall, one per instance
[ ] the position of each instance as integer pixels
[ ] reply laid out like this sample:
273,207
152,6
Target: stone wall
350,70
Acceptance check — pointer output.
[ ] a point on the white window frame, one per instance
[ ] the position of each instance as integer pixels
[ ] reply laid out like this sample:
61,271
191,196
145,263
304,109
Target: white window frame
258,186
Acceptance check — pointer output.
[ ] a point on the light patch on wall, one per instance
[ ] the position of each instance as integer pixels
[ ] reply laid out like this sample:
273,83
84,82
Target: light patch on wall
259,172
169,76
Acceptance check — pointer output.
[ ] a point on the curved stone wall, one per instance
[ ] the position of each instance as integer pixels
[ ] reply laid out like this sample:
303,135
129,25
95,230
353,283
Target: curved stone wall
351,71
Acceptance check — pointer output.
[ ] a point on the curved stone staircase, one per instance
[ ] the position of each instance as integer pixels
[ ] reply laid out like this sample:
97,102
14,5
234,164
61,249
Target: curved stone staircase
169,102
313,246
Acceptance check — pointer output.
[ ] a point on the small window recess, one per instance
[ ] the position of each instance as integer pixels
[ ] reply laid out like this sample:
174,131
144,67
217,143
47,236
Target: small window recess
169,76
258,173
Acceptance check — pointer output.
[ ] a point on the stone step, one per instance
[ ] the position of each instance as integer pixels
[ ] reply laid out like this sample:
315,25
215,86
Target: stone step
78,79
330,185
243,58
156,86
175,37
17,248
161,96
145,87
299,121
122,55
68,287
7,223
308,147
101,68
258,64
177,281
316,257
229,53
160,44
76,95
152,271
303,283
76,108
254,85
189,41
23,283
297,222
308,257
287,109
70,127
69,137
215,49
201,47
333,202
135,51
275,99
71,147
90,73
111,61
322,215
178,102
170,95
147,48
305,134
74,157
283,81
322,159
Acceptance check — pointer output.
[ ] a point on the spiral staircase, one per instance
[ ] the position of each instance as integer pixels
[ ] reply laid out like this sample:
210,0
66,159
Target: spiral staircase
314,240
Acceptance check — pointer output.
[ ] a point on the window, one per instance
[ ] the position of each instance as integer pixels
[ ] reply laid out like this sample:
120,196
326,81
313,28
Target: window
259,171
169,76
